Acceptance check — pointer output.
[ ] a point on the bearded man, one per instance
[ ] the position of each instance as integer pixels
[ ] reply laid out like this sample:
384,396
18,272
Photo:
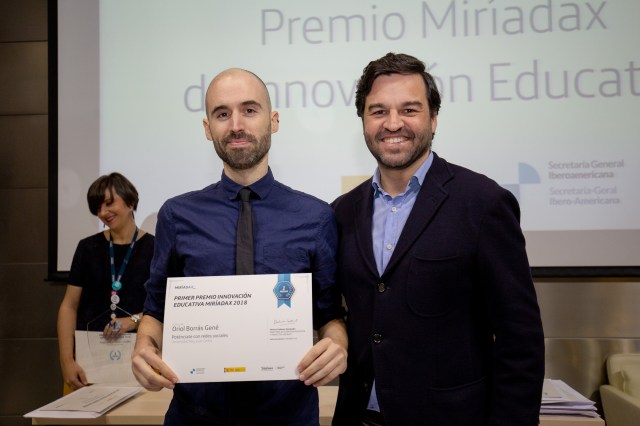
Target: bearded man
443,323
196,236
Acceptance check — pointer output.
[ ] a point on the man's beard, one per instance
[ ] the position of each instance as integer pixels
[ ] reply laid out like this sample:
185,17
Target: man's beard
247,157
417,151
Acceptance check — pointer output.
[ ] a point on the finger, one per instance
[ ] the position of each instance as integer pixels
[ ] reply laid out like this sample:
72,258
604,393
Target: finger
323,376
139,368
313,353
317,372
155,380
76,383
83,377
327,367
149,383
151,371
317,357
110,329
164,371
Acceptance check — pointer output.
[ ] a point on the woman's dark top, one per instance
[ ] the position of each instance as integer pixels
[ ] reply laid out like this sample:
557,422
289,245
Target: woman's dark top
91,270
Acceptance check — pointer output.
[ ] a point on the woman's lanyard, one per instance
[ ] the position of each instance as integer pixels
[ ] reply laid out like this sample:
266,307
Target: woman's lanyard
116,284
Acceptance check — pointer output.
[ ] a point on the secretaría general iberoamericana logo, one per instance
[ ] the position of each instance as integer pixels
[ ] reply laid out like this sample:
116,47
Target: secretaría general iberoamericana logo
527,175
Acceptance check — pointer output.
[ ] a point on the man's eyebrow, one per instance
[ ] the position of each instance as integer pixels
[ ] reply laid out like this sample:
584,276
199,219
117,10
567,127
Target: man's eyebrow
251,103
375,106
412,103
403,105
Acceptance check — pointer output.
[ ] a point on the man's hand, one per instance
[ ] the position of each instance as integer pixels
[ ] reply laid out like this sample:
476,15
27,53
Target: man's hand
147,365
327,359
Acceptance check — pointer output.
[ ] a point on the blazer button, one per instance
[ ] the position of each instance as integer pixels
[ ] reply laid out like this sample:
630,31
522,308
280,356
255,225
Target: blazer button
382,288
377,338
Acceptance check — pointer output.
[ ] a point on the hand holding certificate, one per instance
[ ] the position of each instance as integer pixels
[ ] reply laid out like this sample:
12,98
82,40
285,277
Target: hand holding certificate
237,328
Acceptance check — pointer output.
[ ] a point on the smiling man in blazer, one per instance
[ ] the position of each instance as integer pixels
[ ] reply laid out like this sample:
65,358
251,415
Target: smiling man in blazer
444,326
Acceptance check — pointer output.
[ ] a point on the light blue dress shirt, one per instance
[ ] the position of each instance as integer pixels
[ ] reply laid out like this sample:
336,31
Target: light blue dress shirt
389,217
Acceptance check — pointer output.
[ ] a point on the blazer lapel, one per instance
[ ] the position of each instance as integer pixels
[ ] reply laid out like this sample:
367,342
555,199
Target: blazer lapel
429,199
363,213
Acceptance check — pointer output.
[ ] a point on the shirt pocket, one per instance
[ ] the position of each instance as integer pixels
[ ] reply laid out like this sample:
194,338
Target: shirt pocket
433,283
279,259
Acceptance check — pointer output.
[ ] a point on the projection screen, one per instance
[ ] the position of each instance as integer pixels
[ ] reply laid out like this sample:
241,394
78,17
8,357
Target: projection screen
541,96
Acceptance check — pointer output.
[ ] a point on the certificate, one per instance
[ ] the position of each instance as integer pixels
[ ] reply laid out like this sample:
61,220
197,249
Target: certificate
237,328
88,402
106,361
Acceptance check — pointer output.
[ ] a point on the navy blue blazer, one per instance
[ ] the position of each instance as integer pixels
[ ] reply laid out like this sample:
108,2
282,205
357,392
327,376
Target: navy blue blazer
451,331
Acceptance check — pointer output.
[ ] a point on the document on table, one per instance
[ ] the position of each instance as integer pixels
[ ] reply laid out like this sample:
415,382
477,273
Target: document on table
106,361
88,402
560,398
237,328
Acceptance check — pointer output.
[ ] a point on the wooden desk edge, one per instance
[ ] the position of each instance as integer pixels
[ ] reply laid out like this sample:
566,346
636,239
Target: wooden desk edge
548,420
148,408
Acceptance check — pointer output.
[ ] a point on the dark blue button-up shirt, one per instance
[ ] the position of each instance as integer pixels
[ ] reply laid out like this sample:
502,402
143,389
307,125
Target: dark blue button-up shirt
293,232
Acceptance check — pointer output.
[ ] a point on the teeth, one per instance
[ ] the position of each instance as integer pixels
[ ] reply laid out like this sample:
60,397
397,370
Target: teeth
394,140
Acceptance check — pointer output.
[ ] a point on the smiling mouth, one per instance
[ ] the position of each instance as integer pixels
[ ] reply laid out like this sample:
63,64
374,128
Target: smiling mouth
394,140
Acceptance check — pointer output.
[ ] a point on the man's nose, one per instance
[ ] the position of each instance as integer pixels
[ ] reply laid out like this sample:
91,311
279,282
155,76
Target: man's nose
394,121
237,122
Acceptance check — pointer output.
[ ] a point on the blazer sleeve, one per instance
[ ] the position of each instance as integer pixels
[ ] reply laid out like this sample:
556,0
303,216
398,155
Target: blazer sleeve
518,357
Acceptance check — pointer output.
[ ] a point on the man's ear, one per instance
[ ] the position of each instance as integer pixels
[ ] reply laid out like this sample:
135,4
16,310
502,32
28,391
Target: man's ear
207,130
275,121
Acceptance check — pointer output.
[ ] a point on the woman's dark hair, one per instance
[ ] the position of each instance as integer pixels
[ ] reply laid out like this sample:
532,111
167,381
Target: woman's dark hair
112,182
396,63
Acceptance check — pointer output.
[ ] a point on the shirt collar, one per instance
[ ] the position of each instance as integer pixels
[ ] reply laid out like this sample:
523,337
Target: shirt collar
417,178
261,187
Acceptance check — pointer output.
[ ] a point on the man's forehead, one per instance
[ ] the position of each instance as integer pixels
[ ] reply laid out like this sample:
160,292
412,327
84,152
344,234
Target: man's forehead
385,82
398,77
236,88
236,77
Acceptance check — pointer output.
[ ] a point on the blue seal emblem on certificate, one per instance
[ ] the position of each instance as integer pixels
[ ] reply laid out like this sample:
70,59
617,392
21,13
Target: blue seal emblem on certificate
284,290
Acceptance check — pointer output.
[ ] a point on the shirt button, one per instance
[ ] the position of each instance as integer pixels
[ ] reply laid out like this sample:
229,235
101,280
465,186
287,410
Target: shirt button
389,246
381,288
394,209
377,338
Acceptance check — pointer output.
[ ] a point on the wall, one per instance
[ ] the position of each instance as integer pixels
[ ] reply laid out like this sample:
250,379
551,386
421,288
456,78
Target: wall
584,320
28,304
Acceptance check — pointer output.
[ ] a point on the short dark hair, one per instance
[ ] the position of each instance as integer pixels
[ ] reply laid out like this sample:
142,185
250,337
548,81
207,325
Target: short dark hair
112,182
396,63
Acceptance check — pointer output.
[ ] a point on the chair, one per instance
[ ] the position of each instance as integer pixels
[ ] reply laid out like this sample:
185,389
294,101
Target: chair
621,397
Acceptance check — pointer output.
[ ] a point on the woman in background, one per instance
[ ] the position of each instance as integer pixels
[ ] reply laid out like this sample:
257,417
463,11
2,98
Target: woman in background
106,282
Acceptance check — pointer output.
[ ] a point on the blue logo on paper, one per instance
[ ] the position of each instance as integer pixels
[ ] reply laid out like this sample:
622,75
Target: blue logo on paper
284,290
